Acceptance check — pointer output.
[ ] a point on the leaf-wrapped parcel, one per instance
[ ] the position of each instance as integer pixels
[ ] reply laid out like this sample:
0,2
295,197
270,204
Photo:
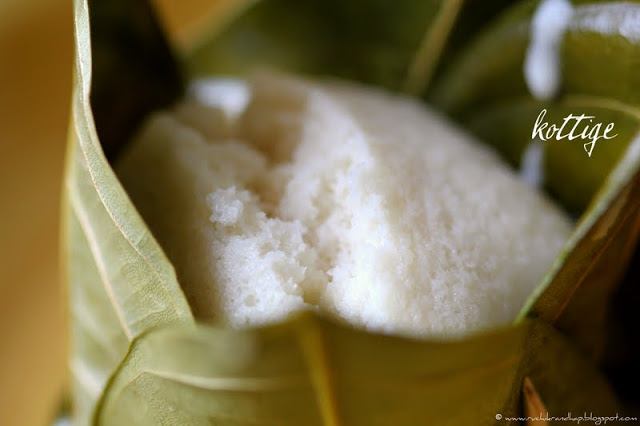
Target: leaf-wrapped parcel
140,356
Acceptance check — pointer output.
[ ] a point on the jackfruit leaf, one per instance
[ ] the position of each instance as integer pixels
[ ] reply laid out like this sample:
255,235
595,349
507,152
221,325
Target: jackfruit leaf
484,88
135,346
393,44
120,282
311,371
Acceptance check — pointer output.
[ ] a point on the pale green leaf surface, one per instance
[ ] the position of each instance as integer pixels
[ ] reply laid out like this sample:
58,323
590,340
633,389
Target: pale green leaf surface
121,284
314,372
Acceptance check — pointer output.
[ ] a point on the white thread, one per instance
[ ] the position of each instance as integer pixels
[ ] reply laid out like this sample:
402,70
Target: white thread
542,62
531,165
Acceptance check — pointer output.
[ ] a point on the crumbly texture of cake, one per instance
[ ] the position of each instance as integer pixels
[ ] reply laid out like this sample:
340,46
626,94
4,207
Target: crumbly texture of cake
332,196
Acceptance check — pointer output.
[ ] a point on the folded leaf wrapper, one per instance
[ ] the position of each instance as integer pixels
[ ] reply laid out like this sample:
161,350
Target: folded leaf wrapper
138,356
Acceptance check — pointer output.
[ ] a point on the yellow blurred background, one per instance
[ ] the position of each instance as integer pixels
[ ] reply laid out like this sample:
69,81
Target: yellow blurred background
36,56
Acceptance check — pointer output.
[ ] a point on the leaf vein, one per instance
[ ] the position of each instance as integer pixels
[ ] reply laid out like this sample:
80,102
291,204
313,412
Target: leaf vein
96,253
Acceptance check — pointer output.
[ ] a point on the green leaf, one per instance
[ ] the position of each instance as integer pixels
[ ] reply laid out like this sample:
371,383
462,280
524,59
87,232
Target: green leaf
392,44
311,371
485,90
120,282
